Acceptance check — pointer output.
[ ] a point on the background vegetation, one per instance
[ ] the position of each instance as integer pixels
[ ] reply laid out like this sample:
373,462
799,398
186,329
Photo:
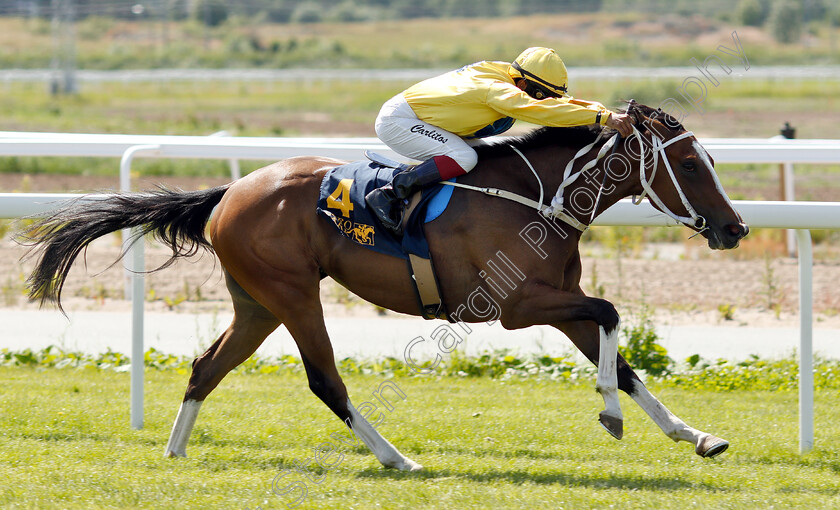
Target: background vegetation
753,12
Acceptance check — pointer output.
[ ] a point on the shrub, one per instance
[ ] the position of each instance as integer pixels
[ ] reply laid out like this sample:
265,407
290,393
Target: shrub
786,21
307,12
751,13
642,349
349,12
210,12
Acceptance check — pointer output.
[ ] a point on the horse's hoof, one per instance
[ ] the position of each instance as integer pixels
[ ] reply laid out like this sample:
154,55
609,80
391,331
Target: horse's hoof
711,446
410,465
613,425
169,454
404,464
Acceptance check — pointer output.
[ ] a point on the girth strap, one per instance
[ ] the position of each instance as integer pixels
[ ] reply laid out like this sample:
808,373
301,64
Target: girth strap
423,274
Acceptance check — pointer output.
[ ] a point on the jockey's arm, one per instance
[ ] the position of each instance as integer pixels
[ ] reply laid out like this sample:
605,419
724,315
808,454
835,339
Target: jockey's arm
553,111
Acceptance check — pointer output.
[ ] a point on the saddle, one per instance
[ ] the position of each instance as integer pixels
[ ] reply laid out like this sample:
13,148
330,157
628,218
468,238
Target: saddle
342,201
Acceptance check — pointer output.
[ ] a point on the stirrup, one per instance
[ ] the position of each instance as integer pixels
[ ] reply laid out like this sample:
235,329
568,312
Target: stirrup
384,211
396,229
388,222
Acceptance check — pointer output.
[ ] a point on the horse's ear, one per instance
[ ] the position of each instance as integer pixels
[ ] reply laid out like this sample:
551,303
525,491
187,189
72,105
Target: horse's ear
635,113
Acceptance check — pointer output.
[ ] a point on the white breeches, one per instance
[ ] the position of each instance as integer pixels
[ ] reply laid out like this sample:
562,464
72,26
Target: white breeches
398,126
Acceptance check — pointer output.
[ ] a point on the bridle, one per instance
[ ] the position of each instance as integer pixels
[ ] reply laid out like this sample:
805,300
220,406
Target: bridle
693,220
557,207
658,146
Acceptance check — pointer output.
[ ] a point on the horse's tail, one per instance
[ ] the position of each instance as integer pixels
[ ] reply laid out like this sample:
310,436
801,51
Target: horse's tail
175,218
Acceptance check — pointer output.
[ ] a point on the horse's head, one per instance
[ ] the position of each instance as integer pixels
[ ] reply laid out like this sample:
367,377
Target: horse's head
680,178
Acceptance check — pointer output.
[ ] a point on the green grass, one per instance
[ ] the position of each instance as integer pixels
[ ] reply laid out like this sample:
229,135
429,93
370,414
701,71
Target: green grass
270,109
247,108
485,443
255,109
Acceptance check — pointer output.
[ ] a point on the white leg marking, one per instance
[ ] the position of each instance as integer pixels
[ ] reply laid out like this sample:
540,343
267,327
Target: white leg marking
705,444
670,424
607,381
385,452
184,422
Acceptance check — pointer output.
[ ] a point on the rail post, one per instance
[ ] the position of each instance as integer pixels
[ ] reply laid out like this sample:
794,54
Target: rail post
806,354
135,290
786,184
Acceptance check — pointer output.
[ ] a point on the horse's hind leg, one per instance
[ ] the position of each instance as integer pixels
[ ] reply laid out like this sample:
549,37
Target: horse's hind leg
585,336
251,324
293,297
310,334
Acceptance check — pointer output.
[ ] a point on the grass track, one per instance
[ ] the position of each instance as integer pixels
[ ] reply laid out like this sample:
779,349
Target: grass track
66,444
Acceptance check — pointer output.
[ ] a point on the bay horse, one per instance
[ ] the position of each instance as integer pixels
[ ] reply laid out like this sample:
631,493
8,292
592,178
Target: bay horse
275,249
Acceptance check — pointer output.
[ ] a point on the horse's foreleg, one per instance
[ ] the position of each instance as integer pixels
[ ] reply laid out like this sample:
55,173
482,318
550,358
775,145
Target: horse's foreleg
585,334
543,304
251,325
607,383
705,445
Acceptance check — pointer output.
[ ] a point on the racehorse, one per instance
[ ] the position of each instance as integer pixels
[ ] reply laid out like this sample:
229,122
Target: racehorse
275,249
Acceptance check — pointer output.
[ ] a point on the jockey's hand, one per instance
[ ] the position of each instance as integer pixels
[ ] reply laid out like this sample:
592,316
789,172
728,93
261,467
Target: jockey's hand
621,122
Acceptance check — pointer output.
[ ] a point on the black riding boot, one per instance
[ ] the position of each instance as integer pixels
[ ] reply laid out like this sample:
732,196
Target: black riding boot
387,202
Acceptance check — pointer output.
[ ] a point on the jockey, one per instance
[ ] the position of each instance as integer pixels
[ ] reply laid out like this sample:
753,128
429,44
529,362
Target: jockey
437,121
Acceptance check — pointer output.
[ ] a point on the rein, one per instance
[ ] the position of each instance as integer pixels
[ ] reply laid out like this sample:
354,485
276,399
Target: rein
556,210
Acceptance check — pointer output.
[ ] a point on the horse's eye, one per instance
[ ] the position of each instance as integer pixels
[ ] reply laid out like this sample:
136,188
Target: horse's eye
688,166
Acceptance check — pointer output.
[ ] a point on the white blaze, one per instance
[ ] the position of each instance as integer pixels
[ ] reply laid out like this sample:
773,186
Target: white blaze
704,157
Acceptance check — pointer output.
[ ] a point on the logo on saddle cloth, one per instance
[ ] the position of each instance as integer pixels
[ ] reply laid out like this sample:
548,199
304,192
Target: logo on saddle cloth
340,200
359,232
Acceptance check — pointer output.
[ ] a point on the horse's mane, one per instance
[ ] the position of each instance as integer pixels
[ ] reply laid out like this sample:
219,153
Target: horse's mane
665,118
570,137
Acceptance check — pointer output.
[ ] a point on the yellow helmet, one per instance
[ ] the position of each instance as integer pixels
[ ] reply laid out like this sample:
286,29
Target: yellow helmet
545,71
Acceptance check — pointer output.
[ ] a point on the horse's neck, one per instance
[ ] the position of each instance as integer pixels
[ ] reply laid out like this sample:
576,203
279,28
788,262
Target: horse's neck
512,173
595,187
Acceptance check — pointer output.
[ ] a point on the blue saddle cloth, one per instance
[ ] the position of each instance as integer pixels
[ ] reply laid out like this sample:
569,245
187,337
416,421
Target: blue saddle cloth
342,201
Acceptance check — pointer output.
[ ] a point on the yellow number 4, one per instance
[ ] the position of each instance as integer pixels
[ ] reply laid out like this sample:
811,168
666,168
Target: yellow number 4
340,198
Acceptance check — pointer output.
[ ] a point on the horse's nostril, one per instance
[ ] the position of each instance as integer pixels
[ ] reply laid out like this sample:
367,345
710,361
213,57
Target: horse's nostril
738,229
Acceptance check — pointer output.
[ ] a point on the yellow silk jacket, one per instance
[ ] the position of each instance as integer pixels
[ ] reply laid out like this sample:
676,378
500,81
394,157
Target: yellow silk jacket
481,99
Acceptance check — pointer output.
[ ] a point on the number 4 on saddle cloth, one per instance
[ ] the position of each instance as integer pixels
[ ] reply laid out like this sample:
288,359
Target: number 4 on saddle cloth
342,201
